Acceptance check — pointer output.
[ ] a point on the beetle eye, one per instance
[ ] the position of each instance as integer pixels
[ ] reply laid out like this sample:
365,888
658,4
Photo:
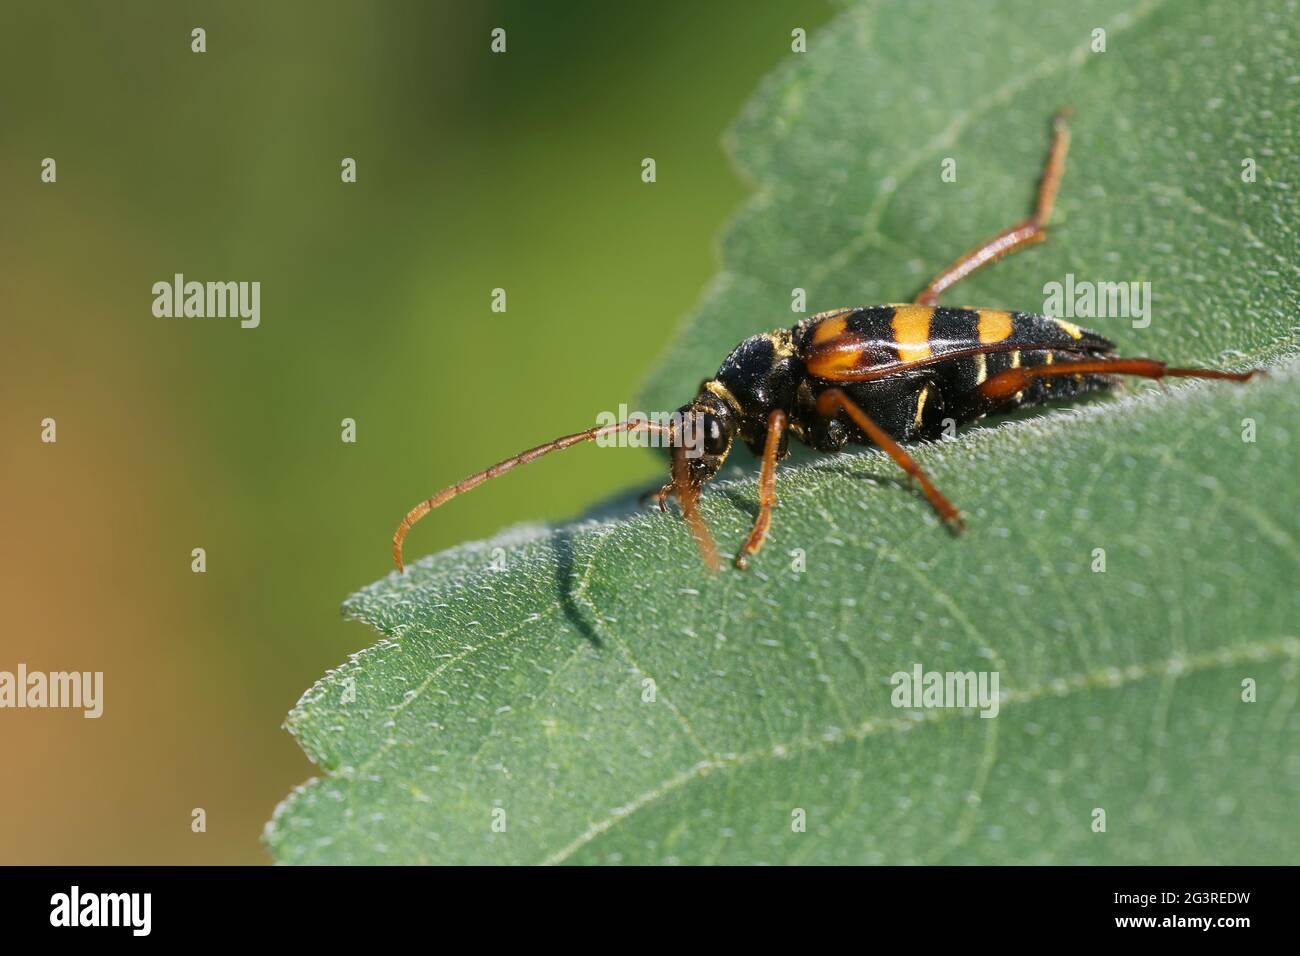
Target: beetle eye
716,438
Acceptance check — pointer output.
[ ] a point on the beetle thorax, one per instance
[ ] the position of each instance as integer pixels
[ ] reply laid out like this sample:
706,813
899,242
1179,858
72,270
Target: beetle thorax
762,373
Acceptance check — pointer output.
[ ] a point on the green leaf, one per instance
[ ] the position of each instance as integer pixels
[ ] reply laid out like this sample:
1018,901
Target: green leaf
525,695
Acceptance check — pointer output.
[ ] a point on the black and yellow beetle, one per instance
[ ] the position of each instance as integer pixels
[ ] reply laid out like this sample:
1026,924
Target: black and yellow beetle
879,375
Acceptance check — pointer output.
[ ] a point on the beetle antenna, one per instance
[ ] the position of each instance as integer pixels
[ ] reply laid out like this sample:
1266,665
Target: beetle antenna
501,467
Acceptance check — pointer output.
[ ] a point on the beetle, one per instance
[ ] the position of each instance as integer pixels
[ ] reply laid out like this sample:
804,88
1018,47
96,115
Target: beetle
883,375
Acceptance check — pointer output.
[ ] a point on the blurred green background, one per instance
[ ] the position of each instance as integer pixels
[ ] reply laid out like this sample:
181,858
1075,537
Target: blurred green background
475,171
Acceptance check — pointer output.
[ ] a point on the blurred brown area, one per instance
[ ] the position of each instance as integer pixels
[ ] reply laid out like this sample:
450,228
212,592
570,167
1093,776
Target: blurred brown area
475,171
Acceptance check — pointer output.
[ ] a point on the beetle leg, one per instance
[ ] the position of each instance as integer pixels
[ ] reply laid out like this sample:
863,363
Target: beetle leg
1008,382
776,423
833,399
656,494
1028,232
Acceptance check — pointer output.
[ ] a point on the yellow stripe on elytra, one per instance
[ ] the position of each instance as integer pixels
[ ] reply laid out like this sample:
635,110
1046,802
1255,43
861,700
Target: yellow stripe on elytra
1069,328
920,406
829,364
993,326
831,327
912,332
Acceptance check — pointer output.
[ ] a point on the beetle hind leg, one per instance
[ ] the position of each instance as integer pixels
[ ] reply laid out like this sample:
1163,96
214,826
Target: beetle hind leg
1025,233
1007,383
